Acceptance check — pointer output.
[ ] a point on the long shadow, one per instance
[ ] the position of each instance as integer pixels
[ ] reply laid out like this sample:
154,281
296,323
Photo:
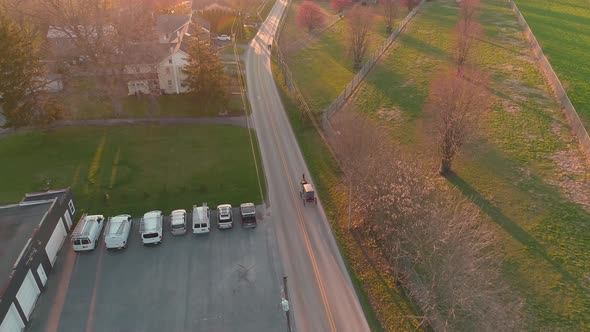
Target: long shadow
419,45
508,225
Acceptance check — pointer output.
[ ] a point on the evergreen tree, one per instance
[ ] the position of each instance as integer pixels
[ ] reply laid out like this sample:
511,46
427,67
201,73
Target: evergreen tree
205,79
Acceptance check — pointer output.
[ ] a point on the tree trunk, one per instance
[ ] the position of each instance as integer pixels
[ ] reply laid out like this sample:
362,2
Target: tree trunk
445,167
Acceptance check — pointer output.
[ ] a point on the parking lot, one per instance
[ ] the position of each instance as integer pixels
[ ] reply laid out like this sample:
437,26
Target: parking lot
226,280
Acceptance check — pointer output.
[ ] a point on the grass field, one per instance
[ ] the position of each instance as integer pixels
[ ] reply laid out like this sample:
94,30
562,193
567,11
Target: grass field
562,27
81,106
322,68
525,171
141,168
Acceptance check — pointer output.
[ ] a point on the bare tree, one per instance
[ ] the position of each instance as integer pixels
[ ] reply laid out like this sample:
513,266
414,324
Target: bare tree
410,4
310,16
440,250
339,5
467,31
358,23
391,8
102,35
456,104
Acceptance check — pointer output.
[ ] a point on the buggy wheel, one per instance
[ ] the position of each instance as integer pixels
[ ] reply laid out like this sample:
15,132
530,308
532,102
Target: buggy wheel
315,200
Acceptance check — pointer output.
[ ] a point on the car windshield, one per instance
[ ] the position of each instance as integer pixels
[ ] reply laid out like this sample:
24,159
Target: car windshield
150,235
178,226
248,210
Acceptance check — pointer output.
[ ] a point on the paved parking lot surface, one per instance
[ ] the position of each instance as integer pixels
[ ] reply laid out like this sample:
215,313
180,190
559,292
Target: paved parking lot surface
226,280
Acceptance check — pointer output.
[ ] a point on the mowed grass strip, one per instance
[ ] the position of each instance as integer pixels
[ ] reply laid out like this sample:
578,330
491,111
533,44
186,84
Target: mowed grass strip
323,67
562,27
138,168
525,171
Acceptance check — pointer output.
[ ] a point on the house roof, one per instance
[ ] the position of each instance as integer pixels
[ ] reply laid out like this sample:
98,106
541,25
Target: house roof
202,4
147,53
17,224
168,23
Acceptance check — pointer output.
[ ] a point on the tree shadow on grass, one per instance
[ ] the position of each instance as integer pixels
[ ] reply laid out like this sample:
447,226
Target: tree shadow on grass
512,228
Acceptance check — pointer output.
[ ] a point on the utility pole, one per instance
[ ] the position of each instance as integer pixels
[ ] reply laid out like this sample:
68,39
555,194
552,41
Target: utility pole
285,304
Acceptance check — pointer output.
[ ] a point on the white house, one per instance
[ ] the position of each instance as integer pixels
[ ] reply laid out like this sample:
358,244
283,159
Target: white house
170,72
150,67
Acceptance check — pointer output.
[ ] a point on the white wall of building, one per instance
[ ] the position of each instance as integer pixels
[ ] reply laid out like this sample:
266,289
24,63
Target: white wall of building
170,73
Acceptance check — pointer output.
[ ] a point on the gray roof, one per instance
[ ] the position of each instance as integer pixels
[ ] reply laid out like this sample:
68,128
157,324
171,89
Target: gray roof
17,223
45,195
147,53
169,23
202,4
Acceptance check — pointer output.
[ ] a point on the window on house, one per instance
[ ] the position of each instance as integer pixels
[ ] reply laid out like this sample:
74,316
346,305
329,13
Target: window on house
170,61
170,83
167,70
137,69
72,207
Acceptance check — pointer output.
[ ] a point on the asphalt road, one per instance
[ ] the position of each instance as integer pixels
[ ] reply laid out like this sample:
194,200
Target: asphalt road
226,280
321,293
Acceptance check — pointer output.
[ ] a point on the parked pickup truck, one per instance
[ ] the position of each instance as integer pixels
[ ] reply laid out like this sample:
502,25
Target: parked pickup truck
248,213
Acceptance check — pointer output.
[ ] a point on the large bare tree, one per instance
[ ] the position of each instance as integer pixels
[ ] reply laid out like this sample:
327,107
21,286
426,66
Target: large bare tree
455,104
310,16
103,33
440,250
467,31
391,8
358,25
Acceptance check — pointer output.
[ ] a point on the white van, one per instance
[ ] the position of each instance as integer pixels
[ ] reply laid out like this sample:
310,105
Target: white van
201,220
116,233
178,222
225,216
85,235
150,227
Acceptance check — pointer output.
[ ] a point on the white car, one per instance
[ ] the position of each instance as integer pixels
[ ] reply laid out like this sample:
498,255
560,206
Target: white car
223,37
178,222
224,216
117,232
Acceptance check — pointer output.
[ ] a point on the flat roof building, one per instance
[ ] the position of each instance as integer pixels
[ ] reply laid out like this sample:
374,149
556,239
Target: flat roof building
31,234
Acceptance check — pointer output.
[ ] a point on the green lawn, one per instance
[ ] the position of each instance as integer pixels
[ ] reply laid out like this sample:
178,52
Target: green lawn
141,168
562,27
525,171
79,106
322,69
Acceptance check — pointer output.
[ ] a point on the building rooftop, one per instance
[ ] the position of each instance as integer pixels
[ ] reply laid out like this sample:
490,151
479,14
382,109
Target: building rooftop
168,23
17,224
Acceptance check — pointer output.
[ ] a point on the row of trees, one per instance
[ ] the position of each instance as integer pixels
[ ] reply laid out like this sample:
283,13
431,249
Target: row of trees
458,98
440,251
359,22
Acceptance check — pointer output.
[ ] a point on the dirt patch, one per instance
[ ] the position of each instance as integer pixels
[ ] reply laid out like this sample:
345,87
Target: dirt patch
510,107
390,114
519,89
409,82
573,176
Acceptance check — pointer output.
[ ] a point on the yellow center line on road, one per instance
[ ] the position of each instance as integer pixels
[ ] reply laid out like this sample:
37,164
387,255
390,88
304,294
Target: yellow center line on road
302,225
